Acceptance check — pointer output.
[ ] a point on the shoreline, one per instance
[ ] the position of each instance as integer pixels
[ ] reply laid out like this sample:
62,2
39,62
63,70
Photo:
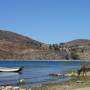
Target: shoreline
77,83
73,84
43,60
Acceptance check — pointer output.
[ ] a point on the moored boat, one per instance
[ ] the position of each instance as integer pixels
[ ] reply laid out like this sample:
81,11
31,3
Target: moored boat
4,69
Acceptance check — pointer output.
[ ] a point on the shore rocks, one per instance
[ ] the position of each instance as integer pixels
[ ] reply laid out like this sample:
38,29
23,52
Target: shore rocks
56,74
79,81
22,81
12,88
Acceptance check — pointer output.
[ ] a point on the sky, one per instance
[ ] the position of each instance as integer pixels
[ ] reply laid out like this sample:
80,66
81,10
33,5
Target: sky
48,21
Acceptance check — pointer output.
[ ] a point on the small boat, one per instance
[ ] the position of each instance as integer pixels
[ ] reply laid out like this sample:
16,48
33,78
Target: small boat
4,69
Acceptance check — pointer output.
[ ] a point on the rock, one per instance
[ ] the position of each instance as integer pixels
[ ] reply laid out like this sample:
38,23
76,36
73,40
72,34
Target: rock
2,88
56,75
29,89
12,88
8,88
22,81
79,81
22,89
16,88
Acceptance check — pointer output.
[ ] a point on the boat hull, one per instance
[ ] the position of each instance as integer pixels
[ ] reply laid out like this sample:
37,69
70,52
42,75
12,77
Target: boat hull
11,69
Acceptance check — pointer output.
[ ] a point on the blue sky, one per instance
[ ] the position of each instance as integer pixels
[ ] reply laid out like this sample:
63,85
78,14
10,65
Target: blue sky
49,21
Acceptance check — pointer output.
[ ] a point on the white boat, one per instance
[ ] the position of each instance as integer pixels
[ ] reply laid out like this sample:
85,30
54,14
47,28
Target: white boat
4,69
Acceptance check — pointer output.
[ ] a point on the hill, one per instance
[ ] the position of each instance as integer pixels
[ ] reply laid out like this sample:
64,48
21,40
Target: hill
79,42
81,47
16,46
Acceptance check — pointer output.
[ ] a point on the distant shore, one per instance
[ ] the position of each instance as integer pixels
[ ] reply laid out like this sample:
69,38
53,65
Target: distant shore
40,60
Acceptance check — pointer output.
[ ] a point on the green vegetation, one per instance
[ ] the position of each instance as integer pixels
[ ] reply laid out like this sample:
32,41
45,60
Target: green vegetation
74,55
71,71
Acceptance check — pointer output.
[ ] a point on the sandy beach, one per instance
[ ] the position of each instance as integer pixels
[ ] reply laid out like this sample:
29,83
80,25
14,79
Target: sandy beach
61,87
80,83
86,88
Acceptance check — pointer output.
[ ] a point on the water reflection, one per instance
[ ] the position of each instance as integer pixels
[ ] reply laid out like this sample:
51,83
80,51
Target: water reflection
9,74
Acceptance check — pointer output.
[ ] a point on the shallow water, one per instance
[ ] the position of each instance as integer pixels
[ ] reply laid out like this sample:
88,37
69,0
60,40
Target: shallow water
36,73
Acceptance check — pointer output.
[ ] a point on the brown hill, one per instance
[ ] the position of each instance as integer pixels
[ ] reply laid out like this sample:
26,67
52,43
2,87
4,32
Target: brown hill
81,47
79,42
16,46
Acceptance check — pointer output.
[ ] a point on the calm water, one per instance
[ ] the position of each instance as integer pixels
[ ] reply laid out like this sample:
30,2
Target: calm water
37,72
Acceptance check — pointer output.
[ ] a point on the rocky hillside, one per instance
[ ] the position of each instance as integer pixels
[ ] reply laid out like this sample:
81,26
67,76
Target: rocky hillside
16,46
78,42
81,47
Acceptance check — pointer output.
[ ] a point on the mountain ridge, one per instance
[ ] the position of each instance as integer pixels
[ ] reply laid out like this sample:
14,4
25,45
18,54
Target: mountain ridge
17,46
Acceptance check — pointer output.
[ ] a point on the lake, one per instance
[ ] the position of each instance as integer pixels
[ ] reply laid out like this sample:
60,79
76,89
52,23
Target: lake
37,73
